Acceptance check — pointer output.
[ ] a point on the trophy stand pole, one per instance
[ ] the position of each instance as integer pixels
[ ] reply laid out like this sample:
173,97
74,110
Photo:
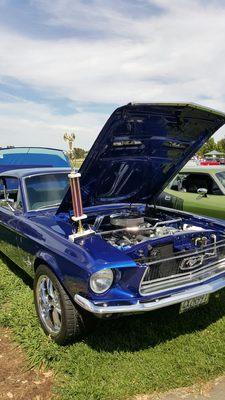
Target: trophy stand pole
74,177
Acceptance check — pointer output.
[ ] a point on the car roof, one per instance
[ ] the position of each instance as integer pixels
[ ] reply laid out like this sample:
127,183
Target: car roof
21,173
30,147
204,170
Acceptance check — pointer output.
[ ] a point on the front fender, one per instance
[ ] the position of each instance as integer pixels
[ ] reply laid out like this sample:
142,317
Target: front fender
51,261
71,277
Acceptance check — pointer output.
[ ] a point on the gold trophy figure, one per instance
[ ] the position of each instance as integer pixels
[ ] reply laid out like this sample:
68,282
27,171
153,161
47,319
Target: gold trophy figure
70,138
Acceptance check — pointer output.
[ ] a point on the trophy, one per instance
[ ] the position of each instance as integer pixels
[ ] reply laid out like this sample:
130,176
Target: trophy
74,177
70,138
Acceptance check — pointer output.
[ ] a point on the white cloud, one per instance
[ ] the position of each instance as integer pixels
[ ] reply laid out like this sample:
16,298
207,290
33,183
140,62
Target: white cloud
176,56
26,123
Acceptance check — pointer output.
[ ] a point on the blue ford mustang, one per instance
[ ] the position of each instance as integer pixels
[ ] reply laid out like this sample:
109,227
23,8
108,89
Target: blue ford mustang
139,257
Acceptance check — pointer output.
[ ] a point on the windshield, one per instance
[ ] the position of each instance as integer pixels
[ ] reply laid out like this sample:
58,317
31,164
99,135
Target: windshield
46,191
221,177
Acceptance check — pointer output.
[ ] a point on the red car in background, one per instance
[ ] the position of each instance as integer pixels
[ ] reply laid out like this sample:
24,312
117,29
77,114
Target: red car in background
210,162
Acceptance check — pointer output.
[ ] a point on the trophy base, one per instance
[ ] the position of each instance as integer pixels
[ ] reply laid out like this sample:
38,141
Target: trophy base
81,234
76,219
74,174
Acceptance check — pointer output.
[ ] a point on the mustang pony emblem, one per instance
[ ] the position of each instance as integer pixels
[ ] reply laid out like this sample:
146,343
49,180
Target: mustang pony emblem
190,263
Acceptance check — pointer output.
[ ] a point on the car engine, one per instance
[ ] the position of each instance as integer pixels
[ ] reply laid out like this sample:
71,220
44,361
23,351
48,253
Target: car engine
133,230
127,229
171,248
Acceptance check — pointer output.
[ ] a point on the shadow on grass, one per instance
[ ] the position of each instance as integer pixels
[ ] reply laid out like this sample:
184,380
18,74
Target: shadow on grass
139,332
134,333
17,270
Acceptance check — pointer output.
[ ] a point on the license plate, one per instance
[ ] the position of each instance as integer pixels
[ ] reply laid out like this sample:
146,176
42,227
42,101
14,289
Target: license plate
193,303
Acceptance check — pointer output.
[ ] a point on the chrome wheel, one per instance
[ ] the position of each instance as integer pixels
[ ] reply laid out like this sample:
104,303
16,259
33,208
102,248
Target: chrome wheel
48,303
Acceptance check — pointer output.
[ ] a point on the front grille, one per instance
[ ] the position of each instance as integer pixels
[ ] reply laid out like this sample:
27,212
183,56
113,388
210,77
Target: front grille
173,270
163,269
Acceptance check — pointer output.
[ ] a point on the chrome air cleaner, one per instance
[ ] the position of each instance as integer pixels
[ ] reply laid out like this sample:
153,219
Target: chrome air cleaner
126,220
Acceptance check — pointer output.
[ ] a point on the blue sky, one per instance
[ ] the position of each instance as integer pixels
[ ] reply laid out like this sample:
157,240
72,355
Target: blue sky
68,64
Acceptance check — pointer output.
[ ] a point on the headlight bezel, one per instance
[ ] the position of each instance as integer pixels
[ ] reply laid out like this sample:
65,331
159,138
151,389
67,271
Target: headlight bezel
96,280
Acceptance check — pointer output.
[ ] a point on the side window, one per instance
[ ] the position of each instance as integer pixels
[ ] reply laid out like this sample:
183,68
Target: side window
194,181
215,189
12,188
177,183
9,192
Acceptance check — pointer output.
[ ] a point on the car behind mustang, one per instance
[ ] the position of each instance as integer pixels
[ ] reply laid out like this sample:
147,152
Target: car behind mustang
139,257
200,190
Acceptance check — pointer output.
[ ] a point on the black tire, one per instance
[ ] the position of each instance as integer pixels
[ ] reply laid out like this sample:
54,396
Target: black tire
74,321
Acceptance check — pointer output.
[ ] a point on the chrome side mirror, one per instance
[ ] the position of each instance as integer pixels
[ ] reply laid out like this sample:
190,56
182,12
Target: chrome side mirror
202,192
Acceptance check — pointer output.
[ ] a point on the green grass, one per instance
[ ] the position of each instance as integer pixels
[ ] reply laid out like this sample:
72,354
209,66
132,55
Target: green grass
137,355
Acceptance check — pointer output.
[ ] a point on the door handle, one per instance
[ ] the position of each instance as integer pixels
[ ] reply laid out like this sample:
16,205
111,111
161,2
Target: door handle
167,198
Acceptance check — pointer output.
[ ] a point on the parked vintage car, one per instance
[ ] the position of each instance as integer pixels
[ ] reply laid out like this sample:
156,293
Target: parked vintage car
200,190
208,163
138,256
27,157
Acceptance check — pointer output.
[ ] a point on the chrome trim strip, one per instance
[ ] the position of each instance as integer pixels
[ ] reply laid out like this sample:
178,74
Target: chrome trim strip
193,277
212,246
151,305
151,289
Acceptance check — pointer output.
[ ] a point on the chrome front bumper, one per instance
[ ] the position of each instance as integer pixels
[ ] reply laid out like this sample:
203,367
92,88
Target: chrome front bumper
176,298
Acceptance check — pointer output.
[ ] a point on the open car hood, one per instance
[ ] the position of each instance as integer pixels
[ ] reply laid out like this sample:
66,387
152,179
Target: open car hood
140,149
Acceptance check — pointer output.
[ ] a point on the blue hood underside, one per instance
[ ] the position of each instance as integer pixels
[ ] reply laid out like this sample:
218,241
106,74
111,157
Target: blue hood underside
140,149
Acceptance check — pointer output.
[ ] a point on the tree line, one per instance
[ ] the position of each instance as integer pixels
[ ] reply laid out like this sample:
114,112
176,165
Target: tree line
206,148
211,145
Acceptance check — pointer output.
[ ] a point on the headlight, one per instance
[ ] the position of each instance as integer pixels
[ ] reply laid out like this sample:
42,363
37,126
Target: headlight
101,281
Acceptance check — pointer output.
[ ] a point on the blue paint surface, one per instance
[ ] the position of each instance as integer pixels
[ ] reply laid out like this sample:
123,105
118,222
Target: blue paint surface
27,157
113,177
140,149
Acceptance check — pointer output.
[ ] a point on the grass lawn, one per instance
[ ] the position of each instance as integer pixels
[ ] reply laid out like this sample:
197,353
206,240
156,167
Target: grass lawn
137,355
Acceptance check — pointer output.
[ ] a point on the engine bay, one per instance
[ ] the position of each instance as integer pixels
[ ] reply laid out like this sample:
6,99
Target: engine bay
148,235
138,232
133,230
